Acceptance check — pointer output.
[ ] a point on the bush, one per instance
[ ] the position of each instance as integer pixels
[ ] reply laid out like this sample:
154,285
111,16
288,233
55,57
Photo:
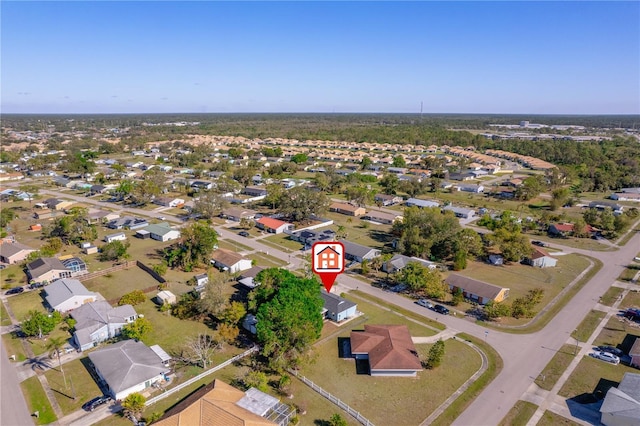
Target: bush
436,353
134,298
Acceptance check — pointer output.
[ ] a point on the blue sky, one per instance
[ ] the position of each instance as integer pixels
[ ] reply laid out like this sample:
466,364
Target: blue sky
455,57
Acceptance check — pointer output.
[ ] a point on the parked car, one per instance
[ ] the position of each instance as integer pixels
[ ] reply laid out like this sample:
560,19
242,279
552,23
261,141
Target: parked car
33,286
632,314
96,402
15,290
615,351
540,243
162,218
425,303
606,356
441,310
243,234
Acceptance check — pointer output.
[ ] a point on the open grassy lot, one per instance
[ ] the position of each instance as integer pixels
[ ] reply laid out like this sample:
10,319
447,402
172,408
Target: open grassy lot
13,345
266,260
79,384
552,419
629,273
361,232
581,243
4,316
282,242
115,284
21,304
37,401
593,376
519,414
588,325
522,278
12,276
554,369
615,331
611,295
233,245
631,300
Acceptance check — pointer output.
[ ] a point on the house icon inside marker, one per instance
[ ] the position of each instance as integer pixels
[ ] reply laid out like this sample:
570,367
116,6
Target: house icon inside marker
328,258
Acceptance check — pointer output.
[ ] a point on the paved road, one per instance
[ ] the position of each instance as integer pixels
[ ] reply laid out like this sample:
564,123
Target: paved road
14,410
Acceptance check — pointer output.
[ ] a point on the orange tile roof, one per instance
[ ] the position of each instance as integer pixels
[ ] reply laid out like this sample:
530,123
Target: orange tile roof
271,223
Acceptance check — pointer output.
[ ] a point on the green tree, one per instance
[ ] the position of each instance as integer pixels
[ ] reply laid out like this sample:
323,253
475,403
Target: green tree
234,313
137,329
38,324
151,185
275,192
133,298
531,187
421,278
469,242
299,158
55,346
365,162
288,314
214,298
258,380
427,233
398,161
391,183
160,268
523,307
458,297
580,228
114,251
6,216
73,228
301,204
436,354
496,309
133,405
209,204
359,195
228,332
460,260
337,420
559,197
197,242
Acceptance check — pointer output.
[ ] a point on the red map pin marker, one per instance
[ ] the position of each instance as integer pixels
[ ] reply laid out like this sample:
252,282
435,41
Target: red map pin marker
327,260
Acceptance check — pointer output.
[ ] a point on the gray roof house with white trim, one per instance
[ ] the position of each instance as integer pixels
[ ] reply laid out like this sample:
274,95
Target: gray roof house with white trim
421,203
99,321
129,366
337,308
357,252
460,211
621,405
162,232
67,294
399,261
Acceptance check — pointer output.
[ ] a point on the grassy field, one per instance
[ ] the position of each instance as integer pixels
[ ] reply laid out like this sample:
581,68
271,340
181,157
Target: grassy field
554,369
233,246
115,284
21,304
631,300
593,376
629,273
581,243
519,414
611,295
410,399
615,332
552,419
37,401
4,316
13,346
522,278
79,384
588,325
266,260
282,242
361,232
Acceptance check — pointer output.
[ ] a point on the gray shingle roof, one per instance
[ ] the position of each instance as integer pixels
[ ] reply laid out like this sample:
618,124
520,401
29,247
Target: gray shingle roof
469,285
101,313
126,364
624,401
334,303
399,261
43,265
356,250
11,249
61,290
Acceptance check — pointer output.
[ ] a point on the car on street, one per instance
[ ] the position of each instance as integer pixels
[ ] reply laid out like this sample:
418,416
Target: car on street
540,243
243,233
162,218
15,290
606,356
615,351
33,286
425,303
441,310
632,314
96,402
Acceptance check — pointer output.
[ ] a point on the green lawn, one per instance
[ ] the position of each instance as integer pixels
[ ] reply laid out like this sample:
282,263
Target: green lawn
115,284
266,260
522,278
21,304
79,384
4,316
593,375
631,300
614,333
629,273
37,401
581,243
14,346
611,295
519,414
554,369
233,246
588,325
552,419
283,242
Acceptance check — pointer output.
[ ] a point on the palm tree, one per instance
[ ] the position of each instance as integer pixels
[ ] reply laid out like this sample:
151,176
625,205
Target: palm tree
55,347
133,405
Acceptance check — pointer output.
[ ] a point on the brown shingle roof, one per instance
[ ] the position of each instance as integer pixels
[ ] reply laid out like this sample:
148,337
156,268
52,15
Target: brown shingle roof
226,257
469,285
389,347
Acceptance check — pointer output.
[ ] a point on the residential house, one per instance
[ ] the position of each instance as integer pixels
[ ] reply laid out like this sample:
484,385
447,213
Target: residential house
249,323
168,201
224,404
387,200
130,366
634,353
255,191
621,405
201,185
247,278
48,214
624,196
478,291
475,188
101,216
347,209
541,258
67,294
382,217
47,269
601,205
398,170
421,203
56,204
388,348
272,225
565,229
337,308
227,260
460,212
162,232
120,236
236,214
461,176
98,321
13,252
358,253
308,237
98,189
127,222
399,261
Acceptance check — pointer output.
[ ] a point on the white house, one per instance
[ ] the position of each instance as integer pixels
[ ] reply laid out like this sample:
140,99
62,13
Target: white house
162,232
130,366
460,211
227,260
541,259
120,236
98,321
337,308
67,294
166,297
